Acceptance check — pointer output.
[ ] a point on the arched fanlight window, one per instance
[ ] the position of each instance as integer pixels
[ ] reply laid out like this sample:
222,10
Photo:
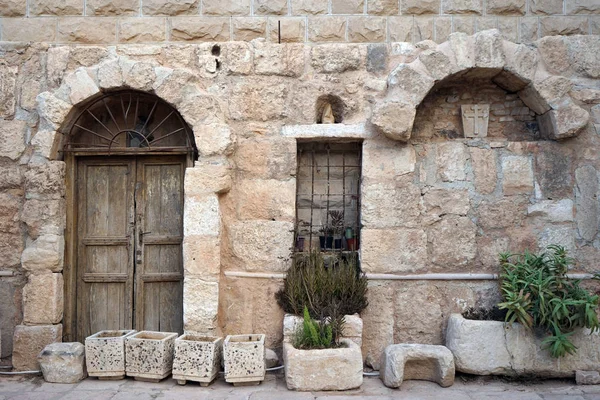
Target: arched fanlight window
129,121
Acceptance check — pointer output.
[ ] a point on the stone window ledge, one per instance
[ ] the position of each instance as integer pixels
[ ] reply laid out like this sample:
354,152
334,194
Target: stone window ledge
327,131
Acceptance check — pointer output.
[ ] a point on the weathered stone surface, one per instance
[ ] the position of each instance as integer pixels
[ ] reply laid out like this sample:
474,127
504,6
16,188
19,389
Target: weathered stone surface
489,52
213,139
377,58
437,63
546,94
63,362
382,252
112,7
565,122
142,30
44,217
581,53
328,58
45,180
587,377
90,30
244,358
394,119
506,7
81,86
462,7
366,29
202,257
553,166
553,210
258,244
517,175
105,353
249,28
200,29
8,80
12,138
29,29
382,7
400,362
161,7
503,213
293,29
201,215
45,254
521,64
439,202
386,162
484,168
410,83
562,235
586,201
451,161
202,300
583,7
260,158
347,6
554,53
385,206
326,29
341,368
29,341
265,199
13,8
401,29
551,26
197,358
378,318
259,100
420,7
546,7
208,176
271,359
66,7
52,108
283,60
452,241
226,7
43,299
308,7
492,348
276,7
149,354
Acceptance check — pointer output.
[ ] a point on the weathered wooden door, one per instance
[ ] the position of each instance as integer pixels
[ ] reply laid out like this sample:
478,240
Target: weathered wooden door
129,235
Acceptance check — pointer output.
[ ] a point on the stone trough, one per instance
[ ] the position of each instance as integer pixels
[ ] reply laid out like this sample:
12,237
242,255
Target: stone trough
497,348
400,362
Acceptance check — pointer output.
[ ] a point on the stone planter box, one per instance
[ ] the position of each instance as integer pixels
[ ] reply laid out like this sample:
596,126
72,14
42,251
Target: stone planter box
149,355
352,328
496,348
327,369
105,354
244,359
197,358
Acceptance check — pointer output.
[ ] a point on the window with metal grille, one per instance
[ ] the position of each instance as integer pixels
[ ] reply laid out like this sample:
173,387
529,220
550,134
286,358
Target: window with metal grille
328,196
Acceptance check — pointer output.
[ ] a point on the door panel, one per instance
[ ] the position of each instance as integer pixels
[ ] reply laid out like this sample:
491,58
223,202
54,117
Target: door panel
105,238
130,231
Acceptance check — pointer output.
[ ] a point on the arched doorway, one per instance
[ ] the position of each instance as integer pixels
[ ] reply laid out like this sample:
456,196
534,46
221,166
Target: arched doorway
126,153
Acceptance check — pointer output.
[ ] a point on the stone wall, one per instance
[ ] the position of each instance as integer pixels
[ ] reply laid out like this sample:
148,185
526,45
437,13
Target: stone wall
432,201
370,21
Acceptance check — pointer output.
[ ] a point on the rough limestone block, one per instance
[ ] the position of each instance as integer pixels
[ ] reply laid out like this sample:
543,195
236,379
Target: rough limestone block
587,377
43,299
149,355
244,359
394,119
105,353
401,362
326,369
63,362
197,358
497,348
29,341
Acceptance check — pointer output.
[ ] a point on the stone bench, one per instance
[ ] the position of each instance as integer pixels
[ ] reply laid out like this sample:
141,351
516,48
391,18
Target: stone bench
401,362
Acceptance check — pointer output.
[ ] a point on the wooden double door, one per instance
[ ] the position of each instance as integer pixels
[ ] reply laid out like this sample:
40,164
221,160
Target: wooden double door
129,232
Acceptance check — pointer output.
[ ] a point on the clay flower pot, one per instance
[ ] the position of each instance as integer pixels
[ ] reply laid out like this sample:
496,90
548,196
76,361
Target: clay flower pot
149,355
197,358
244,359
105,354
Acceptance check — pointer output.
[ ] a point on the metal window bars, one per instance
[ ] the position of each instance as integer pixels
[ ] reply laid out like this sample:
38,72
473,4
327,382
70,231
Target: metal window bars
328,196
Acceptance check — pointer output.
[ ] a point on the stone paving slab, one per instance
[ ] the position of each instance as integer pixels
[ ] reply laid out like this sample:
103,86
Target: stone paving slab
273,388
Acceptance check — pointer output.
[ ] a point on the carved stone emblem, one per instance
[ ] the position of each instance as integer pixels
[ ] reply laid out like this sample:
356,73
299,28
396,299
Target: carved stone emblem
475,118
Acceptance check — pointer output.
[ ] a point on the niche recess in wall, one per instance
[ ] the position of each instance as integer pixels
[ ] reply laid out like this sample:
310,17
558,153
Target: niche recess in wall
337,107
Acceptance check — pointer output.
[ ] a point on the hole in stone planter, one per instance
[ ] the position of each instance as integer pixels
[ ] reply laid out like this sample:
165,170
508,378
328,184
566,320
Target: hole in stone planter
218,64
151,335
329,107
108,334
245,338
216,50
195,338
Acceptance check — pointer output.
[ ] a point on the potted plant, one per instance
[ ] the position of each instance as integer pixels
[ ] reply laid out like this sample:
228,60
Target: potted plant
337,226
326,237
244,359
197,358
149,355
323,289
105,354
550,326
350,239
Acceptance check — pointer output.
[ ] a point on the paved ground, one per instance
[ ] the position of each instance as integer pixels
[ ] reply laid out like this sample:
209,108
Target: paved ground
465,388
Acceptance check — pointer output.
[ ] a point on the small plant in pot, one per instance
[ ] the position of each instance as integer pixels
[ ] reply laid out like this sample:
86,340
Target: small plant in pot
337,225
323,290
326,237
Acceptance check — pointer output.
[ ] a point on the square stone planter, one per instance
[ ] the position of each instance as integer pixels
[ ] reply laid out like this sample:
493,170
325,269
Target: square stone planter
244,359
149,355
327,369
105,354
197,358
498,348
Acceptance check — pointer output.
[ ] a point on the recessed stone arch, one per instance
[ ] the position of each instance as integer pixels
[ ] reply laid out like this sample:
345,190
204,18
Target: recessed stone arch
514,67
203,183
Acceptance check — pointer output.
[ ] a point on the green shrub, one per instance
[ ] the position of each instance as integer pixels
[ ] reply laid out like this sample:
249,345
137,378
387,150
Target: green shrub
329,288
537,293
314,334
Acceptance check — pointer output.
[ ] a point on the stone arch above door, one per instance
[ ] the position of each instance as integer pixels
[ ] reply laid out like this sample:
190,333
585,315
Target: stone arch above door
514,67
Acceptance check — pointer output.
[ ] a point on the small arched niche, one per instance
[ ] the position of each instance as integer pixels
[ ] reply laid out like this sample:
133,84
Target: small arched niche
126,121
337,108
439,115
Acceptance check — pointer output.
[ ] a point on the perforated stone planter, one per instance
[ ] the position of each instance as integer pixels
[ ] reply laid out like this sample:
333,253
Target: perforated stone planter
197,358
244,359
497,348
105,354
327,369
149,355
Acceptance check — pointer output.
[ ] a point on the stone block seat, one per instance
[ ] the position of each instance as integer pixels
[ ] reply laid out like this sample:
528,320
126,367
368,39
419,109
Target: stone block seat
401,362
63,362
